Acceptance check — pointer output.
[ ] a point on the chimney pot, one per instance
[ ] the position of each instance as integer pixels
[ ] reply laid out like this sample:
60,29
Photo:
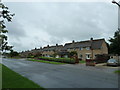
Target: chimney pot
73,41
56,44
91,38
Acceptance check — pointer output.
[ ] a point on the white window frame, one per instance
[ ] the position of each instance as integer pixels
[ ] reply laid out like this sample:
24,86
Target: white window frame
87,48
87,56
81,48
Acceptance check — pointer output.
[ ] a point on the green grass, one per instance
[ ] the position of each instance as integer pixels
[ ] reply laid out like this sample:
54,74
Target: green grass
117,71
11,79
0,76
43,61
82,61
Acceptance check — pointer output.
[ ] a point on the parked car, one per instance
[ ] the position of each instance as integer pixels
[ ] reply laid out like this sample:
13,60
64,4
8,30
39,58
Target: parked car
113,62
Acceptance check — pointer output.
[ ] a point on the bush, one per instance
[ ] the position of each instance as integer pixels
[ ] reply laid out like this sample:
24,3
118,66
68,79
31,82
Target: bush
64,60
101,58
72,53
30,57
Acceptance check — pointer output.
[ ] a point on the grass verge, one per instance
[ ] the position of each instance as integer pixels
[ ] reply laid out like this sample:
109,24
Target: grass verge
11,79
117,71
43,61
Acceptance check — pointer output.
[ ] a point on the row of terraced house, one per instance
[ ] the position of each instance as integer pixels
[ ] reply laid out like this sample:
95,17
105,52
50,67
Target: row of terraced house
85,49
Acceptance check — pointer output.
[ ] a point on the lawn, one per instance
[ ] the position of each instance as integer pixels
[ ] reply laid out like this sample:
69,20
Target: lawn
43,61
11,79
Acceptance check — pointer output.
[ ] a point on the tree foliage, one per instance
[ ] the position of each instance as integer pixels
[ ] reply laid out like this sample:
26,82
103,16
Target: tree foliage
4,15
72,53
115,43
13,53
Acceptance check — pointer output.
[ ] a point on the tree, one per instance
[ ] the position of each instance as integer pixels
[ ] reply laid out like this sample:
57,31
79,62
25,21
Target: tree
72,53
4,15
13,53
115,43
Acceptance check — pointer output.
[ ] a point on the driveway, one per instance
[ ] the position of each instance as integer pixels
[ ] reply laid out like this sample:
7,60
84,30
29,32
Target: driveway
64,76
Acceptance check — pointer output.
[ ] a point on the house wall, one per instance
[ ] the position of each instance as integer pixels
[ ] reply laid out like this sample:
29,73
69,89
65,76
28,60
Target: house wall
84,52
102,50
115,57
92,53
48,53
81,52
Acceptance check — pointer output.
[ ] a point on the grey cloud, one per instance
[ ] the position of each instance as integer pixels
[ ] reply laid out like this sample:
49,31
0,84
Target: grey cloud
70,21
16,30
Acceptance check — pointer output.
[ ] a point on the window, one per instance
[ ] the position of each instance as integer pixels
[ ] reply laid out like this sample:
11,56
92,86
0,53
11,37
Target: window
81,56
87,48
68,49
81,48
74,49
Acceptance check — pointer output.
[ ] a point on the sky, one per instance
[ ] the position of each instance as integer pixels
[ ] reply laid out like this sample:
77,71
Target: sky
38,24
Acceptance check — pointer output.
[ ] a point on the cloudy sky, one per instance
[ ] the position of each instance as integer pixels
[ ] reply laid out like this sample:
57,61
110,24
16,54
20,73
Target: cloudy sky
37,24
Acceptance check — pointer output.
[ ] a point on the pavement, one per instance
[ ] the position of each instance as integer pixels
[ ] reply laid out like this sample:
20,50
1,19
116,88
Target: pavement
66,75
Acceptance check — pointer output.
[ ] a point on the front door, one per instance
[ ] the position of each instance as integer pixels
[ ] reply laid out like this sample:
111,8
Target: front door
87,56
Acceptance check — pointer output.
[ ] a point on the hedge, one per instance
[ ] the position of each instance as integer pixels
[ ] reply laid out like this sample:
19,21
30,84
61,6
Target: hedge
64,60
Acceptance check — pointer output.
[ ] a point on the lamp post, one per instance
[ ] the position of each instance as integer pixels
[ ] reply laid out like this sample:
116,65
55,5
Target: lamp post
114,2
118,3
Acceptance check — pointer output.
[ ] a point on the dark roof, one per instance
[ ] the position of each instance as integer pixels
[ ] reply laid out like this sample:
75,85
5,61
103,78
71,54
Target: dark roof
62,53
51,48
94,44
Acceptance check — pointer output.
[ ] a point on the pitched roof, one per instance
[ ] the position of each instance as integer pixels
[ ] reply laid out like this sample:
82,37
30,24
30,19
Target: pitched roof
51,48
94,44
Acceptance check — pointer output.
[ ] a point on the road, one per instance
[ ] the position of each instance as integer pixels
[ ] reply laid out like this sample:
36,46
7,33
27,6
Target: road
64,76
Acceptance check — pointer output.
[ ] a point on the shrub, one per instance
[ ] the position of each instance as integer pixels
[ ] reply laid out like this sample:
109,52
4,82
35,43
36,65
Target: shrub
65,60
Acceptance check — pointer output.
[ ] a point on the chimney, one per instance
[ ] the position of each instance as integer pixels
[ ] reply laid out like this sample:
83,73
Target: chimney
91,38
40,47
73,41
47,45
56,44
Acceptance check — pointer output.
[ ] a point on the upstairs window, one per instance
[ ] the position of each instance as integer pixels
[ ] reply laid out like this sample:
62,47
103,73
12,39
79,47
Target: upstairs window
87,48
68,49
81,48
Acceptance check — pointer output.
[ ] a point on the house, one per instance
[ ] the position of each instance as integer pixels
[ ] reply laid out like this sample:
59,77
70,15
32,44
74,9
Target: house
24,54
32,52
51,51
87,49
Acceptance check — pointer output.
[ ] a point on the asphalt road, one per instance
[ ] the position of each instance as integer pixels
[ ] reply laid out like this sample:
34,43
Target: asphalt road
64,76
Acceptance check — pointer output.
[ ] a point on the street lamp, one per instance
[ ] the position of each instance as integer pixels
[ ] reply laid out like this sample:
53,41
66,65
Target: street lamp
115,3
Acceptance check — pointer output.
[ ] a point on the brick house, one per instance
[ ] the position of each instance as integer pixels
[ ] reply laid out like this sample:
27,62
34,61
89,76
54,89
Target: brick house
87,49
51,51
32,52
